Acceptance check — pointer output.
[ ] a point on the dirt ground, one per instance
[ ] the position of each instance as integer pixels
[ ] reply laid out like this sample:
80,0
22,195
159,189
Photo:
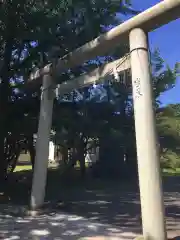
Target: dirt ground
112,211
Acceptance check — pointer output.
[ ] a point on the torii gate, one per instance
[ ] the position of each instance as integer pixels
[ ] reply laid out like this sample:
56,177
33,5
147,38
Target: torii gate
135,31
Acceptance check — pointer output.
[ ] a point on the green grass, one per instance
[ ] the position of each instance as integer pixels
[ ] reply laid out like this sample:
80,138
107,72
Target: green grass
23,168
171,171
77,166
166,171
28,167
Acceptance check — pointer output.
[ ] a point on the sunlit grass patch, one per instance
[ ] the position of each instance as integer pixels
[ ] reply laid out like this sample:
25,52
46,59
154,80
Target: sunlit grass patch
171,171
23,168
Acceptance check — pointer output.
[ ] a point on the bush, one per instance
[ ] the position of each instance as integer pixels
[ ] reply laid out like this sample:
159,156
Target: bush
170,160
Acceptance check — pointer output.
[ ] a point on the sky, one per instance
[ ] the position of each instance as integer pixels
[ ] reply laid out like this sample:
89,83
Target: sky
167,39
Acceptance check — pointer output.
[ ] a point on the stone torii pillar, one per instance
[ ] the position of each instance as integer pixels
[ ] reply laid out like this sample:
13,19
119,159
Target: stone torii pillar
152,205
42,144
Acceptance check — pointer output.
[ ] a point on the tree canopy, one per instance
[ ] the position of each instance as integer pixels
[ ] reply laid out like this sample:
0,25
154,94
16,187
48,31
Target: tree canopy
33,33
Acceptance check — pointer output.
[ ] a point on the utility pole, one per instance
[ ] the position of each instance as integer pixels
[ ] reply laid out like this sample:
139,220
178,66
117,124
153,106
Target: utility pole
151,194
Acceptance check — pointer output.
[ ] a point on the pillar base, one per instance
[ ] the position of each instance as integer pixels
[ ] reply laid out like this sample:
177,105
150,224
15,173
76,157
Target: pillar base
34,213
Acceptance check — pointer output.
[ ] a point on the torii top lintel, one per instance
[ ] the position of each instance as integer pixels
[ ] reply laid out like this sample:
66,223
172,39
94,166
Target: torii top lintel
153,18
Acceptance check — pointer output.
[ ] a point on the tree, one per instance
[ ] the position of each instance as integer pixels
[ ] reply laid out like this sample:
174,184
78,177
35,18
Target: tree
168,123
107,115
30,29
163,77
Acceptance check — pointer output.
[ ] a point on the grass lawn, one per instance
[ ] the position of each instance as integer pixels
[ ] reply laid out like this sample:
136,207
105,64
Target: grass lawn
23,168
28,167
166,171
171,172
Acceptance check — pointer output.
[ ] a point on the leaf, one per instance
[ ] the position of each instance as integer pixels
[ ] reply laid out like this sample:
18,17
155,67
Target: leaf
177,69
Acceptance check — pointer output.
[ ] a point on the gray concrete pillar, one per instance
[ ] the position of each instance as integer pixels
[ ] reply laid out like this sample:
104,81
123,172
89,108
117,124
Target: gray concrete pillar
151,194
42,144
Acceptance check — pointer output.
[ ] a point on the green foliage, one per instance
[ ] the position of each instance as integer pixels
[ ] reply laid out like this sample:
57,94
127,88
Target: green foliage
164,78
170,159
177,69
51,23
168,123
29,30
33,33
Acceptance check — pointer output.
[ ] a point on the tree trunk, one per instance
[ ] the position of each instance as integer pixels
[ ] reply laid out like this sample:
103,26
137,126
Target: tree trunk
4,96
81,155
82,163
64,153
31,150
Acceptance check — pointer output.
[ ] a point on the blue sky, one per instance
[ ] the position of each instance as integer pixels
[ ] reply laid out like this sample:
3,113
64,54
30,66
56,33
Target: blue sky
167,39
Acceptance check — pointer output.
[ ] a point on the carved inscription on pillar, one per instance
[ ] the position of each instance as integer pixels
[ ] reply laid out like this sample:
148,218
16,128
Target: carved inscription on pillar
138,90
